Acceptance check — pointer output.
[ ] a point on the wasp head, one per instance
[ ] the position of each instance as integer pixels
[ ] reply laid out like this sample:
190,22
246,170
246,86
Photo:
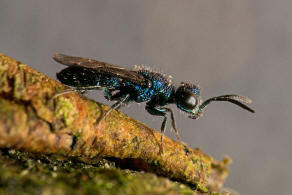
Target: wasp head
187,97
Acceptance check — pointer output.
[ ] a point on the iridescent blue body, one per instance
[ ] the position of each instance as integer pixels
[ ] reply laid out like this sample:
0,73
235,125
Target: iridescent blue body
137,85
158,86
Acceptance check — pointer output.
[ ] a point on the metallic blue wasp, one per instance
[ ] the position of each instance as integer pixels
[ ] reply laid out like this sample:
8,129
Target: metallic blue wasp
137,85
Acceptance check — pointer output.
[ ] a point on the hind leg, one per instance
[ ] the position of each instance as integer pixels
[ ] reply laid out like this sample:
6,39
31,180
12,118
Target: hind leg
81,90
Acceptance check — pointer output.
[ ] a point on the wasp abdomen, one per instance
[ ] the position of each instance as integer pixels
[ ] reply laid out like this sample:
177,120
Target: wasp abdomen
76,76
79,77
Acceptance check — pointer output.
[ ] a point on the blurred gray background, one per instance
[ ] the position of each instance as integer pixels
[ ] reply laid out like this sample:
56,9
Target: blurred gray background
227,46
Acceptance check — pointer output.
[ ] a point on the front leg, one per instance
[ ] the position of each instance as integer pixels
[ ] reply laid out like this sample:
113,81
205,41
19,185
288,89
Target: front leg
161,111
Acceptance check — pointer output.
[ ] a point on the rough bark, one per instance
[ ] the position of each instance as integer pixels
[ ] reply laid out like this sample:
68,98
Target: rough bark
30,120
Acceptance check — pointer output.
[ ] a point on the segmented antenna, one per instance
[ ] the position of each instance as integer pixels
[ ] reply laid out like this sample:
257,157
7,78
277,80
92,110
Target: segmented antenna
235,99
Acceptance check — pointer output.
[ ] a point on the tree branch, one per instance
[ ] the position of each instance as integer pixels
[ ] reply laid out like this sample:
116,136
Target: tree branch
30,120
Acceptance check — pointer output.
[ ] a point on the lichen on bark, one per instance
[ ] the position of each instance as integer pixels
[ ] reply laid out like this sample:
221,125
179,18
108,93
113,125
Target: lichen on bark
32,121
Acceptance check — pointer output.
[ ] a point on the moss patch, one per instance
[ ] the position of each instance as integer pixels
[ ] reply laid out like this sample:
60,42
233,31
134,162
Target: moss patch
24,173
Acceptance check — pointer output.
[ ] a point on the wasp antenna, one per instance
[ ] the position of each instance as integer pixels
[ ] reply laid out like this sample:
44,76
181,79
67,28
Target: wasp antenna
235,99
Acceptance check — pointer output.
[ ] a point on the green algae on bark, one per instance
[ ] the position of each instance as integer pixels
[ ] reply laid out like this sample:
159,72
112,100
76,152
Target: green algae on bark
24,173
66,125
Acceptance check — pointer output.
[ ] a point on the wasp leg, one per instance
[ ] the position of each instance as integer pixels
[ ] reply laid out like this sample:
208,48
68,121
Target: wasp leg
119,96
158,111
118,104
123,100
173,125
108,94
81,90
161,111
71,90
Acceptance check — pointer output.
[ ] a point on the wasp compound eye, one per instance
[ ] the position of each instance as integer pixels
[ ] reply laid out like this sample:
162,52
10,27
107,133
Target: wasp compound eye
186,100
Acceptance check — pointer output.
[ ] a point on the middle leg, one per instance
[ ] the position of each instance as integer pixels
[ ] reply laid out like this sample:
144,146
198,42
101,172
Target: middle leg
121,100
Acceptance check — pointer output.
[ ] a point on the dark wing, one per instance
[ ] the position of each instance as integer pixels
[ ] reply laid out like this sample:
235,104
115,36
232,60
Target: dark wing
101,67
